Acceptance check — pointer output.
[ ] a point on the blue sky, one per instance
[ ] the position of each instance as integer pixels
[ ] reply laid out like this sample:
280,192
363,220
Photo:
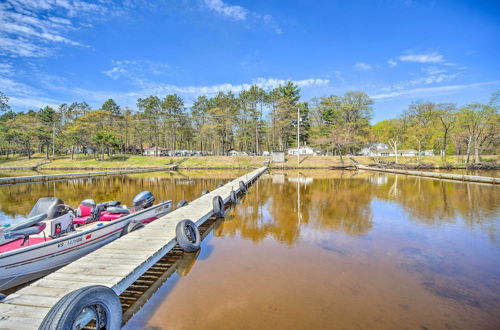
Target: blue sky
397,51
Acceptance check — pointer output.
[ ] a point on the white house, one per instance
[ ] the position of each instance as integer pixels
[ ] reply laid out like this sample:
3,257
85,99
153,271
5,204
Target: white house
372,148
302,151
152,151
381,149
427,153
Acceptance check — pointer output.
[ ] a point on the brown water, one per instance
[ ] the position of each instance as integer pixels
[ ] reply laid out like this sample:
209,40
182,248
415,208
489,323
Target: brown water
337,250
17,200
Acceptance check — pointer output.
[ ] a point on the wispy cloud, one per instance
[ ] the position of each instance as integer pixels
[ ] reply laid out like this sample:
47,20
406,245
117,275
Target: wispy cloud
363,66
429,91
239,13
391,62
433,57
136,69
234,12
31,28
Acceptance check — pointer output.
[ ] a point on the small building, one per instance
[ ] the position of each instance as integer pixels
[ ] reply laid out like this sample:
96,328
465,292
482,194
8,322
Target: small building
232,152
302,151
152,151
427,153
372,148
278,156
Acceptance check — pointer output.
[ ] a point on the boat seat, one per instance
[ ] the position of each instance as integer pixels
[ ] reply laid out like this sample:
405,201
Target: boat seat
81,220
117,210
110,217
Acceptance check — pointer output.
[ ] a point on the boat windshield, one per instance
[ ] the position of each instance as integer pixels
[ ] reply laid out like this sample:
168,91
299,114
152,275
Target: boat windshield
46,205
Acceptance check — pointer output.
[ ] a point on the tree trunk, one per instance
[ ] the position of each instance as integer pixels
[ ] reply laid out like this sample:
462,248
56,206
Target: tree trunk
469,142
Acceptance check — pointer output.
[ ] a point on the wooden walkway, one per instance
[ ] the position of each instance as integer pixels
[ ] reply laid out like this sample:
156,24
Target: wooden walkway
51,177
116,265
436,175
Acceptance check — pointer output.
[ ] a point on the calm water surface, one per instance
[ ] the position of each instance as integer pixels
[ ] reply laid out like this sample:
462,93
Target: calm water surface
336,250
17,200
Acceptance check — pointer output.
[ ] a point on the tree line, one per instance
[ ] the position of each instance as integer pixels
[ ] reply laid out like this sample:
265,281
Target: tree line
253,121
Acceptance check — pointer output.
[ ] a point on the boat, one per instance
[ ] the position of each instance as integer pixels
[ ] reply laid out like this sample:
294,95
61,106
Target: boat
55,234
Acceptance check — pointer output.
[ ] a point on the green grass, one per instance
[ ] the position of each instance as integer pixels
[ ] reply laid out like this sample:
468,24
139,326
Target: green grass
235,162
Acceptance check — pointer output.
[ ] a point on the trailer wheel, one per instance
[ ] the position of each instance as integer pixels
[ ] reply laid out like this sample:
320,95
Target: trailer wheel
77,308
181,203
218,205
233,197
243,187
220,185
204,192
188,236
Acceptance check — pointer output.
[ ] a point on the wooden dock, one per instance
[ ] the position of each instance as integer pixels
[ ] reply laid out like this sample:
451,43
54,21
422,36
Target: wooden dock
116,265
52,177
436,175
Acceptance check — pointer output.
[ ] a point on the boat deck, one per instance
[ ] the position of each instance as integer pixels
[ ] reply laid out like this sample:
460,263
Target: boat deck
116,265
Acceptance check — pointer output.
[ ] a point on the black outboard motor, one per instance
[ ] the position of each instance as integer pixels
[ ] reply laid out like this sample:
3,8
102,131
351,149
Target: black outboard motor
143,200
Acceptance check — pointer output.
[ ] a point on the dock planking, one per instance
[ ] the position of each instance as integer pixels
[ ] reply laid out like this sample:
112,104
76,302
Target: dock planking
116,265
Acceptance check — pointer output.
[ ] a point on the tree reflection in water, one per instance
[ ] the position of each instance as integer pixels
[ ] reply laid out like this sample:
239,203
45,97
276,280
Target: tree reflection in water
284,203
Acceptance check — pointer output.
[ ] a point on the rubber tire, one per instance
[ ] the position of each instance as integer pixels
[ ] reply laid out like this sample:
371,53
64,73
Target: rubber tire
218,206
233,197
243,187
181,203
130,228
220,185
204,192
2,297
184,242
63,314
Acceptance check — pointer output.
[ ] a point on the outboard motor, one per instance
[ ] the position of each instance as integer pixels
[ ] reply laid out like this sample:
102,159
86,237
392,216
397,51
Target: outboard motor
143,200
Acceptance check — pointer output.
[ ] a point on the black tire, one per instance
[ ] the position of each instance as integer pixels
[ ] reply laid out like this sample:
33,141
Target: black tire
188,236
204,192
220,185
181,204
218,206
243,187
97,297
133,226
2,296
233,197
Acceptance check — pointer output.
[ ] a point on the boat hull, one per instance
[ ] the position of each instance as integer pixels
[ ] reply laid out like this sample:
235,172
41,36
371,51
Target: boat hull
31,262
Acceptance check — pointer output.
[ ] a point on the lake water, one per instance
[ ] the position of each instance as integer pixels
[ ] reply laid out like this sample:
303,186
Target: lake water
319,249
336,250
17,200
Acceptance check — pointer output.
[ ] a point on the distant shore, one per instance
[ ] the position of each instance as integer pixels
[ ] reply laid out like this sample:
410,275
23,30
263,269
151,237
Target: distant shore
117,162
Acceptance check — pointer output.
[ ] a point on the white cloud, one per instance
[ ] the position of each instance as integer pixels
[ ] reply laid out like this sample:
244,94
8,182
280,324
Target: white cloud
391,62
31,28
427,91
6,69
235,12
363,66
24,96
422,58
239,13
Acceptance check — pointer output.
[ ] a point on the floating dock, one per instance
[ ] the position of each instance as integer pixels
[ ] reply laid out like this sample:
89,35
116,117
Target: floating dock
52,177
436,175
117,265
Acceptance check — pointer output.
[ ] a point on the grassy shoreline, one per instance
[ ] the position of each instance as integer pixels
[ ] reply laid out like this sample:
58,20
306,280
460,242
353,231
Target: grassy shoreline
213,162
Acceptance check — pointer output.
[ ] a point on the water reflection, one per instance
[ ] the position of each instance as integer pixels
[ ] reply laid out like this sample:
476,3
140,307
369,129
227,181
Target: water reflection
330,249
342,201
17,200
